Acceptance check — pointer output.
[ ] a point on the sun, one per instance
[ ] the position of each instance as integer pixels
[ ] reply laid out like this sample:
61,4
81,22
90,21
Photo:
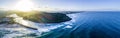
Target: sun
24,5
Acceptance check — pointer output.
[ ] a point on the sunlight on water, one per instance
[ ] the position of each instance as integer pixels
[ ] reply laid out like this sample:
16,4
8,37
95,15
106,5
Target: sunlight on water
41,28
83,25
20,20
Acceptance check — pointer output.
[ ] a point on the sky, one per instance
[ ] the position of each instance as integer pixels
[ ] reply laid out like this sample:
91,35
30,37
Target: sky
76,5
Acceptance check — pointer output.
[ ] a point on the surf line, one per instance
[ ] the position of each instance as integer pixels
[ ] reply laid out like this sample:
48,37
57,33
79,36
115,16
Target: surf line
24,23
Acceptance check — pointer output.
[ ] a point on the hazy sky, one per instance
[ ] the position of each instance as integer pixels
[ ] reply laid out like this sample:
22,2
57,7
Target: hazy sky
71,4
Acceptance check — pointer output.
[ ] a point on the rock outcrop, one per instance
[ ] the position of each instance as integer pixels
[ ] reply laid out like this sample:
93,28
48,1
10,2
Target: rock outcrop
54,17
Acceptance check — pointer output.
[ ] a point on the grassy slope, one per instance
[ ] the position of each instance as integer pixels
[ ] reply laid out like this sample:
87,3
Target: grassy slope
40,17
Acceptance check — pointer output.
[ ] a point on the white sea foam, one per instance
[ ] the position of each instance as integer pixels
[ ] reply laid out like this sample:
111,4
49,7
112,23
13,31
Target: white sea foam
20,30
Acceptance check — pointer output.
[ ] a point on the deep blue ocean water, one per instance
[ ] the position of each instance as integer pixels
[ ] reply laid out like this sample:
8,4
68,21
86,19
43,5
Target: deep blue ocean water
88,24
91,24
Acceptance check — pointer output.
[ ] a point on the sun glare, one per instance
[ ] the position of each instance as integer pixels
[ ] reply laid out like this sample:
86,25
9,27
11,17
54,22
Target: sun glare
24,5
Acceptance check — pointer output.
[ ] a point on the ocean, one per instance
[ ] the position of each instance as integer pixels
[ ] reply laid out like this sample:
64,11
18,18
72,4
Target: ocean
87,24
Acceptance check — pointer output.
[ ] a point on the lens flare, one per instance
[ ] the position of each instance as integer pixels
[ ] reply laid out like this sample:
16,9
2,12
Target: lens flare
24,5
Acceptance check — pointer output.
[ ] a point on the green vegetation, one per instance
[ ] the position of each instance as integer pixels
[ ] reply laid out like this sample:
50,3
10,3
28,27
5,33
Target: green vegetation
40,17
26,15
